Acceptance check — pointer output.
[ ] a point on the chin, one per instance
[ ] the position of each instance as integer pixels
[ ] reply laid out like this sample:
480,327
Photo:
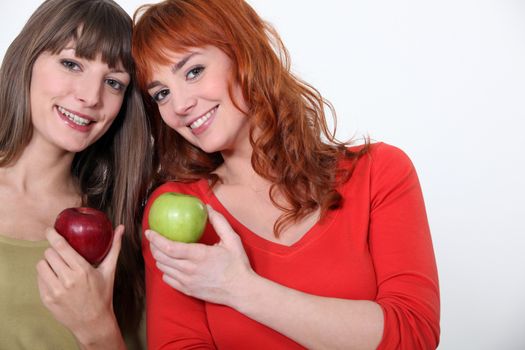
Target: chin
210,148
74,148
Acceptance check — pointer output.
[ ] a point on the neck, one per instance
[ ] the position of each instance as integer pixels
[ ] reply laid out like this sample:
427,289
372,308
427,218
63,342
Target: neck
41,169
237,170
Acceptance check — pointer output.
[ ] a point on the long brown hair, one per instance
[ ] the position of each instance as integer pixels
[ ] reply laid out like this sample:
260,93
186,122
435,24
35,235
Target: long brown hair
112,172
294,148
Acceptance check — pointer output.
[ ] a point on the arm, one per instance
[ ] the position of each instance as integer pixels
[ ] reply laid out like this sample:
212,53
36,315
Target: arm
173,319
401,247
222,274
405,313
80,296
313,321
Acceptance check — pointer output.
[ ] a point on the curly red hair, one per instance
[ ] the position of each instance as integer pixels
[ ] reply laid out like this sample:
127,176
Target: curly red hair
294,148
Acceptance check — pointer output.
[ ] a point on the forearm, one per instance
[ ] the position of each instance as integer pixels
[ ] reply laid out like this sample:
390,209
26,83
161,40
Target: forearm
313,321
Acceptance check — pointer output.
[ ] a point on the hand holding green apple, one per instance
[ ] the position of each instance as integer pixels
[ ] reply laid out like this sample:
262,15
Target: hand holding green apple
179,217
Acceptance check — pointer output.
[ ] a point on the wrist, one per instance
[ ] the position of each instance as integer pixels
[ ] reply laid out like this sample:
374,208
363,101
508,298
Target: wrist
250,290
104,335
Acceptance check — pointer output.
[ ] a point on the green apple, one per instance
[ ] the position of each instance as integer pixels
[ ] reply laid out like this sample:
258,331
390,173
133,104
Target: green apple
179,217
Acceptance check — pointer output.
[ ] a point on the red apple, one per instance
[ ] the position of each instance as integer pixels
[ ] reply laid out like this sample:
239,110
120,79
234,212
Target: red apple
87,230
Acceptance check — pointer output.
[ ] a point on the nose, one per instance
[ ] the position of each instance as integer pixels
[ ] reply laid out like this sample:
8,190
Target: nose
89,91
183,102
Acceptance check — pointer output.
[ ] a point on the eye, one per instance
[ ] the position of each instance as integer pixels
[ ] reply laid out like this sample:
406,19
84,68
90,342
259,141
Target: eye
71,65
194,72
115,84
160,95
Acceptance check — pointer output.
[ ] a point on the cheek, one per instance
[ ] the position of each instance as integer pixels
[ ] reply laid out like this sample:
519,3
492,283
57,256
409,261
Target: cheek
175,123
217,87
170,118
42,86
114,105
239,99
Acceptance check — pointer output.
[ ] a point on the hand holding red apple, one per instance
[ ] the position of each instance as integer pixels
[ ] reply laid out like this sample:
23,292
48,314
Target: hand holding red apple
78,294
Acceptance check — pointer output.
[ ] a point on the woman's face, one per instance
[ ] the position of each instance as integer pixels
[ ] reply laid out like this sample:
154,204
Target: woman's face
74,100
193,99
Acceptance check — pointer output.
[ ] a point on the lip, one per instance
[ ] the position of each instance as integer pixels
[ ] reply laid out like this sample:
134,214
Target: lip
71,123
202,128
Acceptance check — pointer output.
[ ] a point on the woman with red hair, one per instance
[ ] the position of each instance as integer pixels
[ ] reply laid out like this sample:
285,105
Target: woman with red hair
312,242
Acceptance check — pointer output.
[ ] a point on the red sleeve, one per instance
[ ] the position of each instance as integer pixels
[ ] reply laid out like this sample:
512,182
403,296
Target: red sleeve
173,320
401,247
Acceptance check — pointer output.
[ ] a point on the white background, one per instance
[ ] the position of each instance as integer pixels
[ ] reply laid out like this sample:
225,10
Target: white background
444,81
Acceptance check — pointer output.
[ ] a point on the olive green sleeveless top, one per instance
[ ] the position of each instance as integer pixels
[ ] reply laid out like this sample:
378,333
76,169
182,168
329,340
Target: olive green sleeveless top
25,323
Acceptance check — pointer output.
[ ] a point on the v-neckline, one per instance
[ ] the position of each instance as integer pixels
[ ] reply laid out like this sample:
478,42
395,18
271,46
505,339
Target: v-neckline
254,240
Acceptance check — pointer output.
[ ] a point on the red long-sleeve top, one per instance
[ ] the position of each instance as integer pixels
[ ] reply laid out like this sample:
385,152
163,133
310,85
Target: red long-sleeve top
377,247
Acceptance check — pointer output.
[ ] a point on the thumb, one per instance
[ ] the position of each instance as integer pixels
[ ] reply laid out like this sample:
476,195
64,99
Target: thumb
221,226
110,261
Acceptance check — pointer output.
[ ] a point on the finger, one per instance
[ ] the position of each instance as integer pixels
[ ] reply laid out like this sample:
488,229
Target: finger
47,280
43,290
66,252
221,225
174,283
168,270
65,275
57,265
171,248
159,255
176,266
110,261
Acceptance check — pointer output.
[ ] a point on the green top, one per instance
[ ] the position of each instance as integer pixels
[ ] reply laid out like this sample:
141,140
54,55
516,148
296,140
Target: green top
25,323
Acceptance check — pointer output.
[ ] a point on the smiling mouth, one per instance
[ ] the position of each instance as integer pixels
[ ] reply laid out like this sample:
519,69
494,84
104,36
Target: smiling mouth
203,119
73,117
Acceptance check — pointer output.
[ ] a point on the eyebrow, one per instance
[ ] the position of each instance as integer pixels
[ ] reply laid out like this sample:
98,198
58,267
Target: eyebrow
118,70
112,70
176,67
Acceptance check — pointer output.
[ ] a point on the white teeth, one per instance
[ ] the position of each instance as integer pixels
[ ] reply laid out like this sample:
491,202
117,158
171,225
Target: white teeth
202,119
73,117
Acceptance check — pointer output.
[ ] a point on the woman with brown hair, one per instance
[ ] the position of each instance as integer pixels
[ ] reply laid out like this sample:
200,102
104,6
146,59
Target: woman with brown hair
72,133
313,243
